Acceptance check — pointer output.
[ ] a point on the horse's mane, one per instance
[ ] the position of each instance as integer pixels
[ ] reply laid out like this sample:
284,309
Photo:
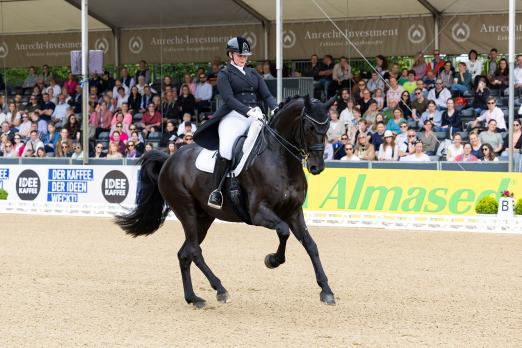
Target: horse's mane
284,105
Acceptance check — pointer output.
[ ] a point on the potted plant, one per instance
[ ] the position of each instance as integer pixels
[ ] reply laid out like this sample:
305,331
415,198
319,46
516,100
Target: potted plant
3,194
506,203
487,205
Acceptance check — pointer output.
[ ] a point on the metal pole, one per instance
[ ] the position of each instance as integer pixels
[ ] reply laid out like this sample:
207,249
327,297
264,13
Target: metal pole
511,58
265,48
279,50
436,21
85,82
116,39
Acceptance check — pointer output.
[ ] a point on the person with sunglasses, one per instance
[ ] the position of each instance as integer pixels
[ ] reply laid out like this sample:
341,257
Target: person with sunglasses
99,151
492,137
242,90
492,113
440,94
349,156
488,153
517,139
9,150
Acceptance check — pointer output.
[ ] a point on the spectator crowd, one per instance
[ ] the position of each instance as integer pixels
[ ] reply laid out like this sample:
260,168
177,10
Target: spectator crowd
431,110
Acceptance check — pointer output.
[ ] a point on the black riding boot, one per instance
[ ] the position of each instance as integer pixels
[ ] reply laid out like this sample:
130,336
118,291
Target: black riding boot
215,200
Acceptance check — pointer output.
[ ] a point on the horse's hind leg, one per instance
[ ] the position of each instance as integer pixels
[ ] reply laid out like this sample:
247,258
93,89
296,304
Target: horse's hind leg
185,259
204,223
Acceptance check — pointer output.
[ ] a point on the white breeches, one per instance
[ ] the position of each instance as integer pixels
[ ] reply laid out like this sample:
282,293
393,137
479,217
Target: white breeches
231,127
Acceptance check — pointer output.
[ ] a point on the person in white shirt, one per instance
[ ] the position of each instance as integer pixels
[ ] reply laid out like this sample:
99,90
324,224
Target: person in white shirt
60,111
492,113
350,156
395,91
56,90
121,97
455,148
440,95
388,150
78,153
9,150
34,142
418,156
474,65
518,72
117,85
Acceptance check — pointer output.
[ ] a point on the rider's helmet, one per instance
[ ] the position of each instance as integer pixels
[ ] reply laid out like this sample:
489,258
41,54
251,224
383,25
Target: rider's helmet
239,45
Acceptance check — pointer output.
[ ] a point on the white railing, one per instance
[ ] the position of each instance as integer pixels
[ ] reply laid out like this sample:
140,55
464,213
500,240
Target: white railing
454,223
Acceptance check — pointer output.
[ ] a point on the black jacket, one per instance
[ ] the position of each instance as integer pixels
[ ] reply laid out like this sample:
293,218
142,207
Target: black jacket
239,92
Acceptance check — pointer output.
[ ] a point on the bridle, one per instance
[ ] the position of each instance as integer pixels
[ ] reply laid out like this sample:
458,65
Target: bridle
300,151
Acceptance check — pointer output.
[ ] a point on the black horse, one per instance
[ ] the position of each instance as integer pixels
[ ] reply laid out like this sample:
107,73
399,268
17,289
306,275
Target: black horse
275,185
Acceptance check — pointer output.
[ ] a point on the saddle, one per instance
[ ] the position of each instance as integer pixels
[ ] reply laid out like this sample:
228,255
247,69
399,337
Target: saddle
246,149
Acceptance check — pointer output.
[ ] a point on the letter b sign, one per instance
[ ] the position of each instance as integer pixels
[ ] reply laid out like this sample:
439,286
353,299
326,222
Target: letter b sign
506,207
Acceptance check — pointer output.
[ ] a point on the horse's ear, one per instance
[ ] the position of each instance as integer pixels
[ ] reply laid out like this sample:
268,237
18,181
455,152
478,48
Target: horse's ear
307,102
330,102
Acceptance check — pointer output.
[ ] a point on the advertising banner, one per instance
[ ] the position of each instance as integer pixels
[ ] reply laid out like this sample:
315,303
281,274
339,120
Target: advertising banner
74,184
51,49
387,36
406,191
182,45
460,34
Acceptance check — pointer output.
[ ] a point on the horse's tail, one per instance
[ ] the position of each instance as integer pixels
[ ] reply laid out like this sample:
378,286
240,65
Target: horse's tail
151,210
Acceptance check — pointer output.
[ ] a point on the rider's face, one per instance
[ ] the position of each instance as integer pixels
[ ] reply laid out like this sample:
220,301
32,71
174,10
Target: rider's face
239,59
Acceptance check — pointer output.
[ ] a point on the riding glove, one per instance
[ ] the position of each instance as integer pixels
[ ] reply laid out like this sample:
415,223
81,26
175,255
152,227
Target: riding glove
256,113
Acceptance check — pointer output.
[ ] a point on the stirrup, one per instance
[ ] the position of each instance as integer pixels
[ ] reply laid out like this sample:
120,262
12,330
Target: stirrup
215,202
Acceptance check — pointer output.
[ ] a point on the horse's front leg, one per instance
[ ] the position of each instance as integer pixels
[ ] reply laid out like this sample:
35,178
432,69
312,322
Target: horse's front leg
300,231
265,217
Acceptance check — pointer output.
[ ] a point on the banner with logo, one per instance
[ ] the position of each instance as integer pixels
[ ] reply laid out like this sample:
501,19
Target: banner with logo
52,49
460,34
194,44
406,191
74,184
387,36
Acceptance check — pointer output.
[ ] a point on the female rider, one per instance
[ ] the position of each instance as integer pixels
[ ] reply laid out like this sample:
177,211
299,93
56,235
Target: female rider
242,89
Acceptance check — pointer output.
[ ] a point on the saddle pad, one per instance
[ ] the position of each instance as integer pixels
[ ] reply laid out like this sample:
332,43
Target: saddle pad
207,158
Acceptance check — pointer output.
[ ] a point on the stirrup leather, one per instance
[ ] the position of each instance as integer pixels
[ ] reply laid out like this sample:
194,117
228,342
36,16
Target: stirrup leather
215,200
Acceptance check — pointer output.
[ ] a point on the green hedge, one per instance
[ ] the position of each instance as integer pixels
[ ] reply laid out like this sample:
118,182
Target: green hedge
487,205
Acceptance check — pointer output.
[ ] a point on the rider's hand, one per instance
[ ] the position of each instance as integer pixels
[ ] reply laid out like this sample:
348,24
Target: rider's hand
256,113
273,112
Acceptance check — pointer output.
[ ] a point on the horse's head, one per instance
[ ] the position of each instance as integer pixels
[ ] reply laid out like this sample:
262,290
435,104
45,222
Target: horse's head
315,123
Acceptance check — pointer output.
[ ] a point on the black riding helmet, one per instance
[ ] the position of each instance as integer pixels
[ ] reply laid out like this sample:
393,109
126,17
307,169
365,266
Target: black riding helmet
239,45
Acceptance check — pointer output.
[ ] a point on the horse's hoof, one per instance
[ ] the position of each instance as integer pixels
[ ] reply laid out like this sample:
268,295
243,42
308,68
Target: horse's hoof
270,261
197,302
327,298
223,297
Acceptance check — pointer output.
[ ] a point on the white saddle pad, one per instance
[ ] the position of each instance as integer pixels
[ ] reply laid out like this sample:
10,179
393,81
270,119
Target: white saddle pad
207,158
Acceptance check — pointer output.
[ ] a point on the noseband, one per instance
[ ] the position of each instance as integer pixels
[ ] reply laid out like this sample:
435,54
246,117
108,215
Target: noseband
300,151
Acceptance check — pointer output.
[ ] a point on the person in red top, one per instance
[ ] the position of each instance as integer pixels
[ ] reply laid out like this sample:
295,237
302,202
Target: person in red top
436,64
151,118
70,84
467,156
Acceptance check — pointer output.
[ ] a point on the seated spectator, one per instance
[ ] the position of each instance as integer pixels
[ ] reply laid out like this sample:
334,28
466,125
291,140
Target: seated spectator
517,138
363,149
411,83
131,151
266,75
379,118
98,151
371,113
127,116
122,131
362,128
375,82
150,120
61,111
466,156
41,125
377,138
169,134
394,124
429,80
339,146
121,97
336,128
186,126
405,104
101,119
187,139
350,156
388,111
33,104
341,76
491,63
462,83
343,99
446,75
168,108
24,129
437,64
7,132
8,149
378,97
18,144
500,78
144,71
203,94
491,137
148,147
325,73
394,92
476,146
402,137
364,102
418,155
70,85
138,143
77,153
51,138
108,83
474,65
114,151
450,119
424,91
429,139
358,91
13,116
65,150
432,114
403,78
28,152
440,95
73,127
134,100
118,142
489,153
125,79
30,80
481,97
419,105
381,65
455,149
40,153
34,142
171,148
346,106
388,150
492,113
